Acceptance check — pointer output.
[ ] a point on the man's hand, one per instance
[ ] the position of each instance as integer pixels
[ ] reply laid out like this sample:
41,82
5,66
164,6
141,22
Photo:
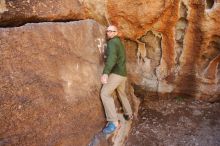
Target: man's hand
104,78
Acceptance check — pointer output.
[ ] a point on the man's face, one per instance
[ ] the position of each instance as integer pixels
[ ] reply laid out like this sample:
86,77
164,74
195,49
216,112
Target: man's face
111,32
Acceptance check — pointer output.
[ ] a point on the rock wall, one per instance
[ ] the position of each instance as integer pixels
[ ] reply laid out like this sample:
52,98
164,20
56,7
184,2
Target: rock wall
175,45
173,49
49,83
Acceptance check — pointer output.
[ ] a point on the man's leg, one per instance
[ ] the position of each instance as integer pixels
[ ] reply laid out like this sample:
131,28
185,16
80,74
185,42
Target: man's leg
107,99
123,98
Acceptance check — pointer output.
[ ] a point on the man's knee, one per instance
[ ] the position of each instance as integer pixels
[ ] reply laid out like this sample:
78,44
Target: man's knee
104,93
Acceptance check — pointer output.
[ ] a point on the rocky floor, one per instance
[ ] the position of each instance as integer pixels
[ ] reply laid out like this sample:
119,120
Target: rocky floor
115,139
176,122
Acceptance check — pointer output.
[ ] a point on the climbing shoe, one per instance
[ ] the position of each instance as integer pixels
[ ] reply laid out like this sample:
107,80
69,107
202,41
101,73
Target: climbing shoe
128,117
110,127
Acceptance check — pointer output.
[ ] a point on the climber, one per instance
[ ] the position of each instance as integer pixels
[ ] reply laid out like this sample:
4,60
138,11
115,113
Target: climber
114,77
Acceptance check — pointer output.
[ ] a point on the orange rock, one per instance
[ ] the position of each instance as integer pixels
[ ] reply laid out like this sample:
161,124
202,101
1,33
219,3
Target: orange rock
189,32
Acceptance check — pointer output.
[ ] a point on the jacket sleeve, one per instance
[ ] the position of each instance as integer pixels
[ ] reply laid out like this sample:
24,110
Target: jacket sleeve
111,58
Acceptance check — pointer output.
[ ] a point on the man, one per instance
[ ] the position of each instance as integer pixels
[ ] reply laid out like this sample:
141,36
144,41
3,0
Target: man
114,77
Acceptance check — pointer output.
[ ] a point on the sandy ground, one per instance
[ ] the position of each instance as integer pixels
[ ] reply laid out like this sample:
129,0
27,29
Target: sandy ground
176,122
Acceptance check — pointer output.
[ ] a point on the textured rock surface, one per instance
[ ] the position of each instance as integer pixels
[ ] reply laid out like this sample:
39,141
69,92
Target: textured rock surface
179,52
199,60
174,43
49,71
49,83
14,13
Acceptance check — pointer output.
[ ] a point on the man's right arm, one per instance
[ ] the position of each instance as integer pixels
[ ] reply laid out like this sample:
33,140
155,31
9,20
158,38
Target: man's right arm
111,58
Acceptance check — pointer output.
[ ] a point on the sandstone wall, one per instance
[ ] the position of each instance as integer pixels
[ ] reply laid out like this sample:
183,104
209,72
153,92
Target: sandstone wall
173,46
173,49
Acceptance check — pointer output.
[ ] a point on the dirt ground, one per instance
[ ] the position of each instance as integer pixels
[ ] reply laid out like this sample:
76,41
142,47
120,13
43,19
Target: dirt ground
176,122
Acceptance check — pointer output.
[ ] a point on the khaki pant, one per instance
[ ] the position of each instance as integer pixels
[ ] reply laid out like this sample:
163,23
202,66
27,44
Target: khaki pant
114,82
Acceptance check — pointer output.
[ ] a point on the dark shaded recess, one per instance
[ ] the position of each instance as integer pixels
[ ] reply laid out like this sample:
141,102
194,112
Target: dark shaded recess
139,91
216,40
214,44
212,51
209,3
20,20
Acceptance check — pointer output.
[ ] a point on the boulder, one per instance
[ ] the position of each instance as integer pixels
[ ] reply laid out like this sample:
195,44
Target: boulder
50,83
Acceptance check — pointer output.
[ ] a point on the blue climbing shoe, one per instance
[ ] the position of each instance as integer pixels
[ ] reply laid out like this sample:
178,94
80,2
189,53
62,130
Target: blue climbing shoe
110,127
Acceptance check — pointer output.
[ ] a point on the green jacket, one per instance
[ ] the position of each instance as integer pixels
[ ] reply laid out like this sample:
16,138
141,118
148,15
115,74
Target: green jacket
116,57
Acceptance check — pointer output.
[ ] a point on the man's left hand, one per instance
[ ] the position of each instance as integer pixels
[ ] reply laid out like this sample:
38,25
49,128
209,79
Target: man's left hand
104,78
